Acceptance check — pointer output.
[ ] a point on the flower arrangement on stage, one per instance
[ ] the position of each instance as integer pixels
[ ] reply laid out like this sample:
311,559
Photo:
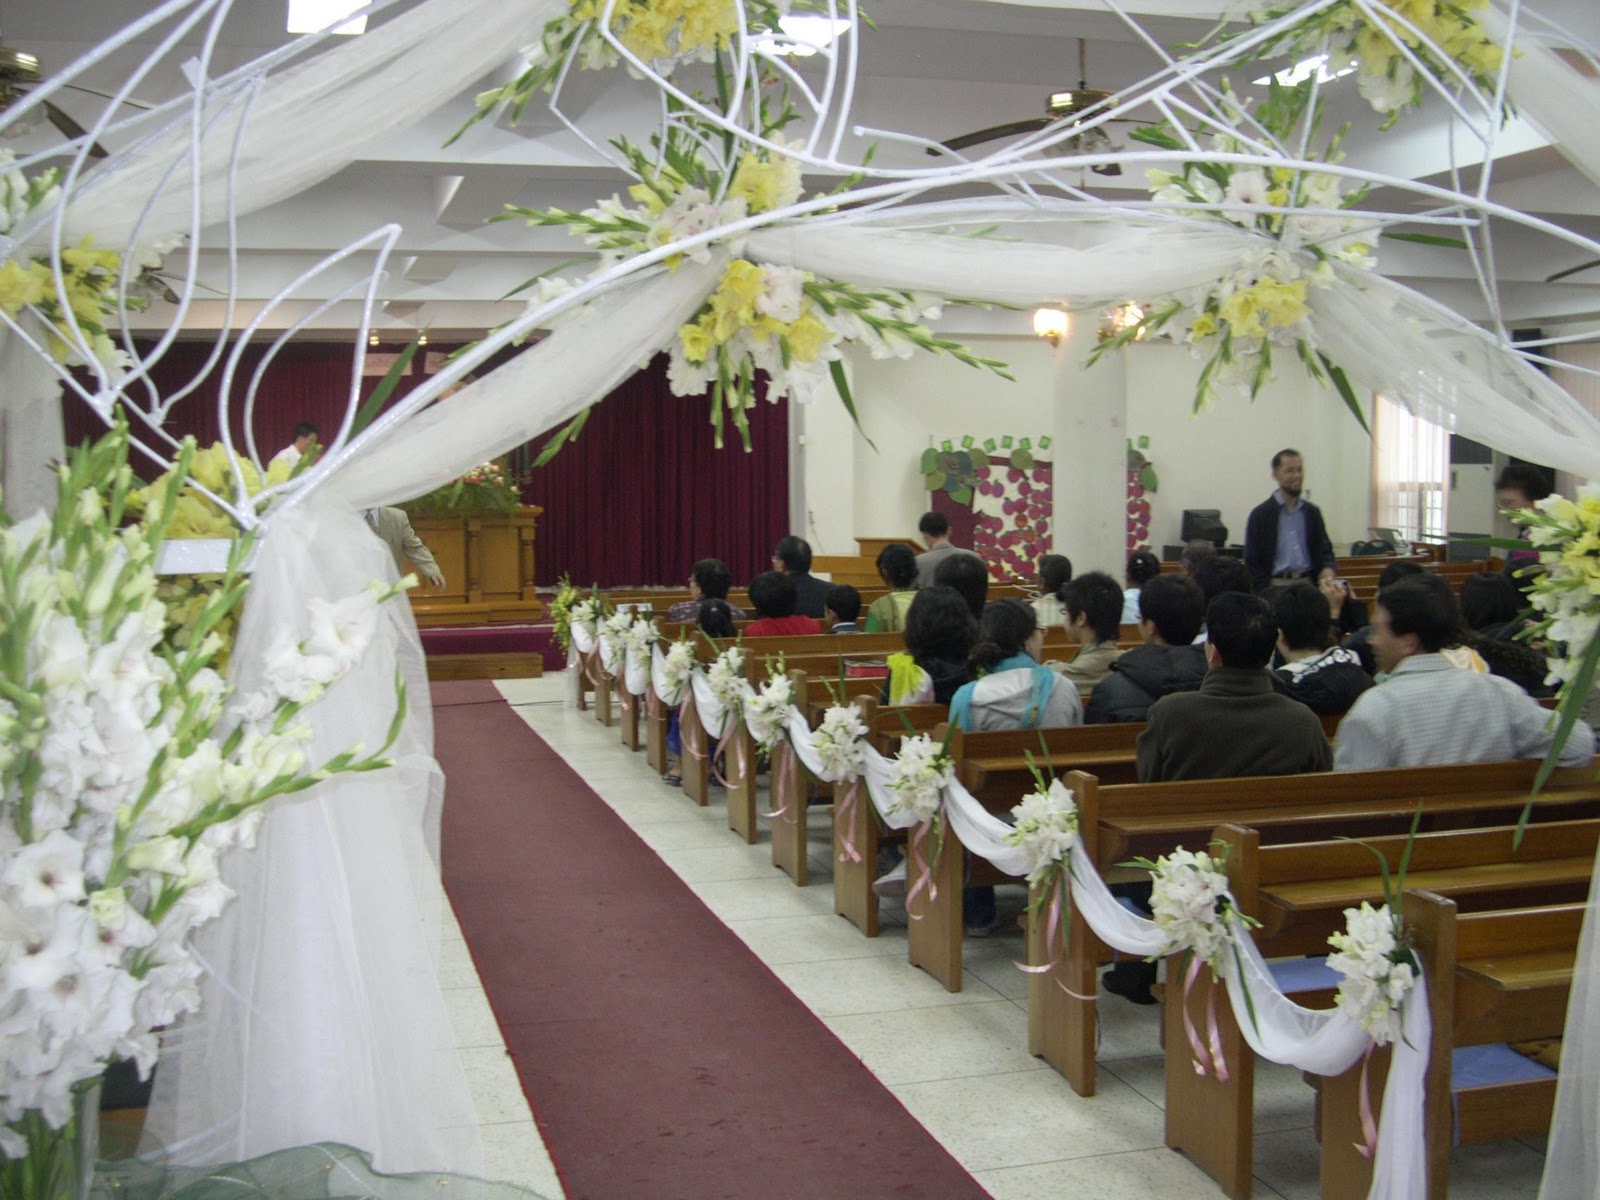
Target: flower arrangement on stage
1263,303
918,777
767,708
1190,903
1377,970
126,768
484,491
1388,44
840,743
1045,825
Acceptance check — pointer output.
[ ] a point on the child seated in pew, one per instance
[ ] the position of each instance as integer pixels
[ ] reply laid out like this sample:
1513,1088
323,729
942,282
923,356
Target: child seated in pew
897,567
1013,690
715,620
844,606
773,595
1092,604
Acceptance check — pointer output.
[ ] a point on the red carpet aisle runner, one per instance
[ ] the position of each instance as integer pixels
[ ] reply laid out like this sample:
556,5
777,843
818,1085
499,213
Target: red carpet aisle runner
660,1057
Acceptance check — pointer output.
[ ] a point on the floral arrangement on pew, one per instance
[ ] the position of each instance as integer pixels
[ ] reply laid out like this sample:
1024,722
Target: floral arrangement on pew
725,676
1045,825
1378,970
1235,323
767,708
840,745
677,665
786,323
561,611
127,767
1442,37
483,491
614,632
584,620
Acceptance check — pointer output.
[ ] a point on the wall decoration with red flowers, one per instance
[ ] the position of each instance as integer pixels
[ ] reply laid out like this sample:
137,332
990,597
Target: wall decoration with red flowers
997,497
1142,484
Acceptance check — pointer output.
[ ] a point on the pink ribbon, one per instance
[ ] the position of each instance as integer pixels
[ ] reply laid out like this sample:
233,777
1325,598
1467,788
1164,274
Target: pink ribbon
1369,1125
1197,1049
729,730
1219,1064
844,819
1052,922
699,755
790,770
921,868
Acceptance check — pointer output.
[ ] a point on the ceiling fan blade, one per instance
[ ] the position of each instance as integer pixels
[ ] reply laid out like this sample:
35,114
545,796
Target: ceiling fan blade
1590,265
989,135
71,129
130,101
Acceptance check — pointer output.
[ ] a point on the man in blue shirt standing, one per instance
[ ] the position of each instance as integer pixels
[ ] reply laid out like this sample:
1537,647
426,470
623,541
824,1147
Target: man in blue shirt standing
1285,539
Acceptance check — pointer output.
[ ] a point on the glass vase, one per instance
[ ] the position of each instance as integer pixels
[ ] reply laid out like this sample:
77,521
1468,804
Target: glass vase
59,1163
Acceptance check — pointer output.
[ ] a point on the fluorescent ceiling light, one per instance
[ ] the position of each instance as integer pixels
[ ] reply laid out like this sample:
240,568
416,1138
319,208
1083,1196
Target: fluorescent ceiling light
312,16
1303,70
806,35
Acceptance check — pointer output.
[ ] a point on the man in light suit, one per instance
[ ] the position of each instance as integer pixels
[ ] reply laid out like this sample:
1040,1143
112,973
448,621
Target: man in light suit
394,527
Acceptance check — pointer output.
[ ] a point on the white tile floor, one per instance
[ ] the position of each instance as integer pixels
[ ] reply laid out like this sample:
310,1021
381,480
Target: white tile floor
958,1062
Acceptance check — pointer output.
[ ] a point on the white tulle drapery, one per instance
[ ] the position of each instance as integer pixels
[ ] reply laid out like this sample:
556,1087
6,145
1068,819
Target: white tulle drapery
322,1018
1386,336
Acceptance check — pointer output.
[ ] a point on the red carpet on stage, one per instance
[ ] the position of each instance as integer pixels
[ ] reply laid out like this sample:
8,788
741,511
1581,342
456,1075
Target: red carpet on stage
660,1057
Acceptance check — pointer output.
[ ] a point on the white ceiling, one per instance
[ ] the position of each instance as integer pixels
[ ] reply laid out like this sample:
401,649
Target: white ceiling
931,67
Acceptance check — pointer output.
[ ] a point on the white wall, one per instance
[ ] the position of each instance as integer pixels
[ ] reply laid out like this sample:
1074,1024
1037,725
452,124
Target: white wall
1218,459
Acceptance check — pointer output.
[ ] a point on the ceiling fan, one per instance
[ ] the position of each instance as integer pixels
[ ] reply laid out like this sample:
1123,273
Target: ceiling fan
1071,106
20,74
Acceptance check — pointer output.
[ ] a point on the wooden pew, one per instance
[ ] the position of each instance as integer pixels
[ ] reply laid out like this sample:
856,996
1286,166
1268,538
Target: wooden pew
1299,891
1495,976
1120,821
858,828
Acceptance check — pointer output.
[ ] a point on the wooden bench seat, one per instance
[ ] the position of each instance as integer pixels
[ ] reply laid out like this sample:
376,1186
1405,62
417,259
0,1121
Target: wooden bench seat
1120,821
1493,977
1299,891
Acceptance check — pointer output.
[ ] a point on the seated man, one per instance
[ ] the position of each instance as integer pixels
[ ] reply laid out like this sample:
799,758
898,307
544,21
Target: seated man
710,579
969,576
772,595
1324,677
1170,614
1093,607
844,606
793,558
1237,723
1429,712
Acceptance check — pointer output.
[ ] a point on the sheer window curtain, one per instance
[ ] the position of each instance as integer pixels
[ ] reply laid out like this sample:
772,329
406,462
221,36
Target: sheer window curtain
1410,474
1582,387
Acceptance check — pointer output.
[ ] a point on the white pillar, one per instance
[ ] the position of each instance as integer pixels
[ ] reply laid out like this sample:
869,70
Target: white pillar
1090,431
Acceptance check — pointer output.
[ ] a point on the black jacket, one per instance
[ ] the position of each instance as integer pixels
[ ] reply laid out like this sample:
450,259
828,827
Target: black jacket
1328,683
1141,677
811,595
1261,539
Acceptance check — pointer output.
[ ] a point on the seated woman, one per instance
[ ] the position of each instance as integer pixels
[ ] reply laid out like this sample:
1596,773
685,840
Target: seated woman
709,580
1491,609
1012,689
939,634
897,567
1055,572
773,596
715,620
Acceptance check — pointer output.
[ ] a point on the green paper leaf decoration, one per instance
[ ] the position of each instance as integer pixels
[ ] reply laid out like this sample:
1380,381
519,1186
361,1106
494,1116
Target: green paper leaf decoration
1022,460
930,460
1007,442
1044,443
947,445
1148,479
990,445
968,442
962,496
933,480
1144,443
979,459
1026,443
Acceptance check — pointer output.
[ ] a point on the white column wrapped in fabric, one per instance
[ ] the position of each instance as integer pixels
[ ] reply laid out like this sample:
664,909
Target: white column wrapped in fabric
322,1018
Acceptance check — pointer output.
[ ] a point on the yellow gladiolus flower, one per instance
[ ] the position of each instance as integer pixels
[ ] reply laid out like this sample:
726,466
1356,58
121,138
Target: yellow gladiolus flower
85,258
696,341
808,337
1203,326
733,305
1281,304
766,186
22,284
1239,311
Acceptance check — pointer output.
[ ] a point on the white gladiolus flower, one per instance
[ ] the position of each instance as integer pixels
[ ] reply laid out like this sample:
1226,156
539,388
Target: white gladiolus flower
47,873
839,744
1046,824
918,777
1387,92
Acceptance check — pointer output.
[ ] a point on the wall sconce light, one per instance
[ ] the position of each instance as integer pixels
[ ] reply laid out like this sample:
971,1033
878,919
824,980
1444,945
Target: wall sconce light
422,339
1051,323
1121,319
372,340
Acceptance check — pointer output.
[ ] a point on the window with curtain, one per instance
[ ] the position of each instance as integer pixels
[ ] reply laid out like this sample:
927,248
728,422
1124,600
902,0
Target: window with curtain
1410,473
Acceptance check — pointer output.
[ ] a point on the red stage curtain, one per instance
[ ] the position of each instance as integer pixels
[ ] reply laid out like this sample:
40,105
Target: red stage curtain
642,494
634,502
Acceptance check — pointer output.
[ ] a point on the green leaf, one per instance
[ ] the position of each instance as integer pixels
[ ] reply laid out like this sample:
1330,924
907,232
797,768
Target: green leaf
385,389
1342,384
1147,478
842,384
962,495
1156,135
1573,696
930,461
568,433
1425,239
